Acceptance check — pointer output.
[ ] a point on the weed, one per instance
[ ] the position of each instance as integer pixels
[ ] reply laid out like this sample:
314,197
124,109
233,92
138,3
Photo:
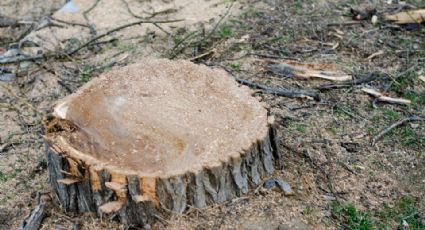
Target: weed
351,217
85,73
7,176
235,66
391,114
403,80
401,212
225,32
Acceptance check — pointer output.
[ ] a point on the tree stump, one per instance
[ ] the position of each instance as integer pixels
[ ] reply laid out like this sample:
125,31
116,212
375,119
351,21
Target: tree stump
146,140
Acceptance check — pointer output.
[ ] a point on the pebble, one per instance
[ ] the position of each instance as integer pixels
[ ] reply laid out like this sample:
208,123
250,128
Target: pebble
281,184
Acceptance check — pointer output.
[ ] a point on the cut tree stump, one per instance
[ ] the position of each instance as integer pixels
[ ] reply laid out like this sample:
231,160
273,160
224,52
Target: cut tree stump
154,138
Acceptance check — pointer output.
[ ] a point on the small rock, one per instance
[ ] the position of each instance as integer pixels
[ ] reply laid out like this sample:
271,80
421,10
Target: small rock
286,188
330,198
280,184
414,126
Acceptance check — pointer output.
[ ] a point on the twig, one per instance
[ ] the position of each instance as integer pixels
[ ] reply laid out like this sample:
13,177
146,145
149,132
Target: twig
383,98
395,125
280,92
370,77
70,23
118,29
349,23
8,60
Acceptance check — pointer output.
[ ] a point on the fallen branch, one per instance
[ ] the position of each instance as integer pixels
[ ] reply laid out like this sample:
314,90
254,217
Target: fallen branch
33,222
395,125
8,60
370,77
144,21
383,98
306,71
280,92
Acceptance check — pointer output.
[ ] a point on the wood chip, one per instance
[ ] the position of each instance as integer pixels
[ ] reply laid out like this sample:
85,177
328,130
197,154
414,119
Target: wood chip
141,198
111,207
372,56
406,17
68,181
422,78
306,71
380,97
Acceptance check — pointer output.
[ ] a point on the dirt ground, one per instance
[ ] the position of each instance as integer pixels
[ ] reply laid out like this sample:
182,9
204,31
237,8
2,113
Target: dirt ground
340,180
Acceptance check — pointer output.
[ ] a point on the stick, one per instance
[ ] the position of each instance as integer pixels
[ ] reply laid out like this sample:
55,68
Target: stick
33,222
395,125
280,92
118,29
8,60
370,77
383,98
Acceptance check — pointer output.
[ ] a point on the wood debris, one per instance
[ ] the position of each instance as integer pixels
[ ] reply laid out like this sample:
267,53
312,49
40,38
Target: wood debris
68,181
406,17
111,207
422,78
380,97
306,71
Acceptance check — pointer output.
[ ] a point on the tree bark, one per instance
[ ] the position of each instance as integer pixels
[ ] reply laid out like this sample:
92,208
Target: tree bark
137,201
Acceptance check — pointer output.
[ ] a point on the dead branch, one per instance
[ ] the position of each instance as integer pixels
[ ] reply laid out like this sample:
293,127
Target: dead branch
395,125
370,77
8,60
380,97
291,93
118,29
33,222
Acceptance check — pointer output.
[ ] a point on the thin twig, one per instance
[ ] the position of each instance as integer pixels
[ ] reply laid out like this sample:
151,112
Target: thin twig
370,77
280,92
395,125
9,60
118,29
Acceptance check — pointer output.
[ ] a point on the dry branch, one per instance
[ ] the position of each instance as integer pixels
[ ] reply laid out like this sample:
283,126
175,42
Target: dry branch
380,97
280,92
376,138
33,222
306,71
8,60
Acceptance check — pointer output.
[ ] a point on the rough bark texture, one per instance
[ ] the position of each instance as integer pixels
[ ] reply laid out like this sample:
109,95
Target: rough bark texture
80,187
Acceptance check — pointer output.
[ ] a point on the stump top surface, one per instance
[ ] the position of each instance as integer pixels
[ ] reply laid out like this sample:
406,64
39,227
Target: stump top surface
163,118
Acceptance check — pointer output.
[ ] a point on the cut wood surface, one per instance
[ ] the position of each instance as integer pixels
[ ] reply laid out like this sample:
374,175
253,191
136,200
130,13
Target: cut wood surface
152,138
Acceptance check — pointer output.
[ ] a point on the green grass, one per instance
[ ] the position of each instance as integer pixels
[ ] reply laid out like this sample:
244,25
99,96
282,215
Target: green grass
85,73
235,66
225,32
7,176
389,216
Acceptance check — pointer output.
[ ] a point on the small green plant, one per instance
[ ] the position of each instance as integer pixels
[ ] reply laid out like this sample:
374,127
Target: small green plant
301,128
85,73
391,114
7,176
351,217
389,216
225,32
235,66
